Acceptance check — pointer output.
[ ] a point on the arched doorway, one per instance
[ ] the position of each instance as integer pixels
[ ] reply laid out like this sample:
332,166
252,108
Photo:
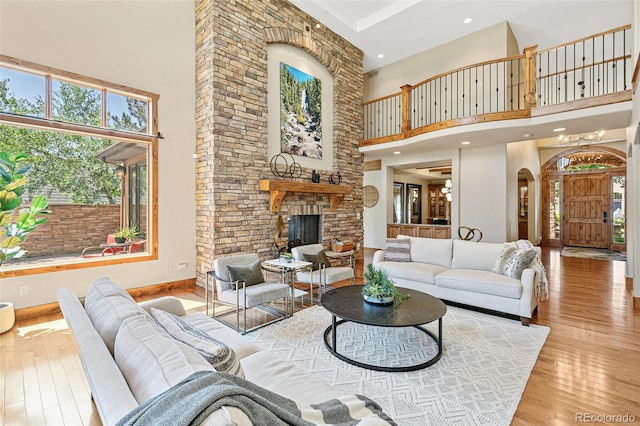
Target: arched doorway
583,194
526,205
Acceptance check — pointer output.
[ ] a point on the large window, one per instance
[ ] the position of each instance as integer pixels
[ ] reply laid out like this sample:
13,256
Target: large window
92,147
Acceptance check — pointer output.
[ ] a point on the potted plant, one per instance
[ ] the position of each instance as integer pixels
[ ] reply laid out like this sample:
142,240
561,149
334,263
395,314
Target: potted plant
126,234
16,222
379,288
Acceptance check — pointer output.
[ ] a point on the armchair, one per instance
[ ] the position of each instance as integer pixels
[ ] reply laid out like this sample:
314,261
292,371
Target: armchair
322,273
239,282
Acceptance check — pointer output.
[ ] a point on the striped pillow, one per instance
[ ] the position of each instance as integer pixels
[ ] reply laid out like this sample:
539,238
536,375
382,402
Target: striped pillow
397,250
219,355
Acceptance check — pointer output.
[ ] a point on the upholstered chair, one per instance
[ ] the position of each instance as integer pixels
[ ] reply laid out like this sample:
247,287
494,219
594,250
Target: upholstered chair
239,282
322,273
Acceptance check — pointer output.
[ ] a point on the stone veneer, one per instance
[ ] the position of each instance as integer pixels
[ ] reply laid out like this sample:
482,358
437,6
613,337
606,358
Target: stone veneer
232,214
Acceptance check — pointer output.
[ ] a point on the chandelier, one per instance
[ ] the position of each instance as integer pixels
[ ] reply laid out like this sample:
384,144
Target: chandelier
447,189
584,139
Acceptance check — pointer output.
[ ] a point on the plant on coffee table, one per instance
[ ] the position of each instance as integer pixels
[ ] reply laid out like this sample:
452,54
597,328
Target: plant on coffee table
379,288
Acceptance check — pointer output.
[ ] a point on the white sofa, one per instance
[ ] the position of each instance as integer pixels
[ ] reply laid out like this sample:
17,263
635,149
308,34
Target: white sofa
461,271
127,362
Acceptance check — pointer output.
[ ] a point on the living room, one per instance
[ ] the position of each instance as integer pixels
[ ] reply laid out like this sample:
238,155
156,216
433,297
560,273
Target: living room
152,46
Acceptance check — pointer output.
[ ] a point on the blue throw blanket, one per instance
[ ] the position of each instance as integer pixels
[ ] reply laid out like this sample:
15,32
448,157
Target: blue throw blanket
195,398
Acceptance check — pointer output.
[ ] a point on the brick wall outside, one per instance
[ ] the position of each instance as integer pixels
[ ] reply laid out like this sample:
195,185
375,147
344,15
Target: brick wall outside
70,228
232,215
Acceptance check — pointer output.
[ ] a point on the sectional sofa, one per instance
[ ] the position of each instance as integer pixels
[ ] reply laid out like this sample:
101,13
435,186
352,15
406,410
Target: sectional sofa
463,272
129,359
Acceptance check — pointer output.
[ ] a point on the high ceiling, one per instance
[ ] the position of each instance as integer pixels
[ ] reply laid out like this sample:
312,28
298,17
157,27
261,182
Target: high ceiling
401,28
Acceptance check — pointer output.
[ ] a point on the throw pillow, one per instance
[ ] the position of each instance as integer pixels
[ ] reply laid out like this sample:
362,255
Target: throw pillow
150,360
397,250
317,259
219,355
250,274
508,249
519,261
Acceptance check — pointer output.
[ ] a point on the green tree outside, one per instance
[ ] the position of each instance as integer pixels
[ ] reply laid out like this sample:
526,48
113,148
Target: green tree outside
64,162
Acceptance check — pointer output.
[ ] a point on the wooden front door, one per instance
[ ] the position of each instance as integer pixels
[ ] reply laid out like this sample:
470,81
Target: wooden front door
586,206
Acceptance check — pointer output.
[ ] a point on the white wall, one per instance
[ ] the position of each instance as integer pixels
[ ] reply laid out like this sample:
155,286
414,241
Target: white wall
145,45
523,155
483,191
491,43
633,170
375,218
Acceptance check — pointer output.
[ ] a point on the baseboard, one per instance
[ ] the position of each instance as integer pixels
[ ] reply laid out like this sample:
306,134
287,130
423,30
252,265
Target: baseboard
36,311
160,288
53,308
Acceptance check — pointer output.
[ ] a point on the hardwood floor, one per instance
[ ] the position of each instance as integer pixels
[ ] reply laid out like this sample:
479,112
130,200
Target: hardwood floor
588,365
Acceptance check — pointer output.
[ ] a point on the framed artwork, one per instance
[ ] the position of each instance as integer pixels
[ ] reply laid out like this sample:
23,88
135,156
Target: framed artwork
414,203
300,113
398,202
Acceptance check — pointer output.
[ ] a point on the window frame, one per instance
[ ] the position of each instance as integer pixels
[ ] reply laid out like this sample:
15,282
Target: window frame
150,139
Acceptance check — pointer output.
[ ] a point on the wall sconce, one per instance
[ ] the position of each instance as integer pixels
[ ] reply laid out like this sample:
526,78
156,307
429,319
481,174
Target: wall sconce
447,190
120,171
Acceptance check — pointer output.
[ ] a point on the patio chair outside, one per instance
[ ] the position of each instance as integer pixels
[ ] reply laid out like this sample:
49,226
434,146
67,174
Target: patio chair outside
99,251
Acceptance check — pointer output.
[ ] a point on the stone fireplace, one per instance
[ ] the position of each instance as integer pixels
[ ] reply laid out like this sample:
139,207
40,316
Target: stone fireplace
232,148
304,229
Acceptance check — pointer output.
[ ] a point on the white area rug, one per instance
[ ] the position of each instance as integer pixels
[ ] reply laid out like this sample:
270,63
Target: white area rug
479,380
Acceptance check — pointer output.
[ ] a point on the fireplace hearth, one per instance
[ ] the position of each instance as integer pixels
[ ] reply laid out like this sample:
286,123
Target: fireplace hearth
303,230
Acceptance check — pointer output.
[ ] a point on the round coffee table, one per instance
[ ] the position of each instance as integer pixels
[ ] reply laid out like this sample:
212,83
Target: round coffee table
348,304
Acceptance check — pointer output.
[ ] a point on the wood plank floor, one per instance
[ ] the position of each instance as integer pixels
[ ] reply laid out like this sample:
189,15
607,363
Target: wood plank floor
588,366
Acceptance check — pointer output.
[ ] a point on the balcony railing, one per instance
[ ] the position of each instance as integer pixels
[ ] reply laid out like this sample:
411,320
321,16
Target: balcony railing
595,67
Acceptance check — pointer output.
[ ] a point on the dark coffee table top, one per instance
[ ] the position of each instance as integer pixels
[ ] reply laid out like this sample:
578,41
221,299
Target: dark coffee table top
347,303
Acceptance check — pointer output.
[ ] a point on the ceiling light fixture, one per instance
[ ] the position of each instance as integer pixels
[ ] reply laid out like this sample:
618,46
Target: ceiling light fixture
560,129
396,152
380,55
318,26
526,135
465,143
467,20
584,139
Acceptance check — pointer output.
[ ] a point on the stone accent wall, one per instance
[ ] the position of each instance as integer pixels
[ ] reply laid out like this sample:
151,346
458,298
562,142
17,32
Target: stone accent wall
231,117
65,231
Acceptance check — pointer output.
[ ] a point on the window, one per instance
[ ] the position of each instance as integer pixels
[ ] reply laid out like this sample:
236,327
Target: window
92,149
618,209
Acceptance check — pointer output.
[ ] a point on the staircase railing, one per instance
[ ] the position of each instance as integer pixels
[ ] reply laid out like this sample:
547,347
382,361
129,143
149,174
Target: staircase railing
593,67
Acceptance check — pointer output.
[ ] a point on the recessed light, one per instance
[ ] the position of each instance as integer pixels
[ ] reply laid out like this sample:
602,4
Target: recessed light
467,21
560,129
526,135
465,143
396,152
380,55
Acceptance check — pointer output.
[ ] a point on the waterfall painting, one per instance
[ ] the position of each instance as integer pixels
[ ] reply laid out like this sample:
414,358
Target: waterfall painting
300,113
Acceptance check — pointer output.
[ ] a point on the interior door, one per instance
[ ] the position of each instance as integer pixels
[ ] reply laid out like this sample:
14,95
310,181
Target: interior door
586,210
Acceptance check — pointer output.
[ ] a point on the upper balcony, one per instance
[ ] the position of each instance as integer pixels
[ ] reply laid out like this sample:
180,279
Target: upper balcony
589,72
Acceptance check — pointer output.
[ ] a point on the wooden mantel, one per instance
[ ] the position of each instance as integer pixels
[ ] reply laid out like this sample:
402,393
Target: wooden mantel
279,188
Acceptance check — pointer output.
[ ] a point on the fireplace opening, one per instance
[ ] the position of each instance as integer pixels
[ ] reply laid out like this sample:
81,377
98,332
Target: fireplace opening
303,230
